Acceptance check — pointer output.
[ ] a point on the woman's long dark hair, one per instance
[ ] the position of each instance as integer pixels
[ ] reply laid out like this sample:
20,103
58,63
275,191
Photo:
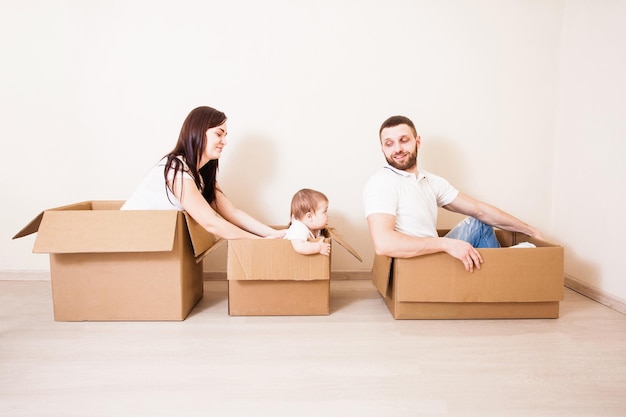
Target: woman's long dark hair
190,146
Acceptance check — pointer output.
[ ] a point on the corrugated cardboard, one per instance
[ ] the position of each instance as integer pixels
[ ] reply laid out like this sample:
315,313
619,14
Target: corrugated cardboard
108,264
512,283
267,277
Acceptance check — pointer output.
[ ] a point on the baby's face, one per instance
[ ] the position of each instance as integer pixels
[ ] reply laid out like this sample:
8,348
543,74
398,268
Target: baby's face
319,219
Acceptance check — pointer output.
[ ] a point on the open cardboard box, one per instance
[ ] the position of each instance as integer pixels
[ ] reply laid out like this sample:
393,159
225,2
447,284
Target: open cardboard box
108,264
267,277
512,283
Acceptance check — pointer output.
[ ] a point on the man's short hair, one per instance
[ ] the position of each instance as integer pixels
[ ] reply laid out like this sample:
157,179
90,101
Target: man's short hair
396,121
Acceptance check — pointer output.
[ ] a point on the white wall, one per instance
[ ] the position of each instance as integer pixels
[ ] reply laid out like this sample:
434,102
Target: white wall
590,173
94,92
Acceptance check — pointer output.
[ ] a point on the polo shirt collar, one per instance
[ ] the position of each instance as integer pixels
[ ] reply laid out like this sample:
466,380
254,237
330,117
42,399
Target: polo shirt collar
405,174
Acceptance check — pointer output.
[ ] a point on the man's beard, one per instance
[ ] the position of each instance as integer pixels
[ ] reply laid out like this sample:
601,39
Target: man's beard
410,162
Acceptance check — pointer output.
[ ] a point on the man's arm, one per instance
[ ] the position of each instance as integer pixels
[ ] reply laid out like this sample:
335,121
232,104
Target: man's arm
387,241
491,215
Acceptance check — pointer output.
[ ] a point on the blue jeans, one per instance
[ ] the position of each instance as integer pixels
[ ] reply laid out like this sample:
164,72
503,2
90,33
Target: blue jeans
474,232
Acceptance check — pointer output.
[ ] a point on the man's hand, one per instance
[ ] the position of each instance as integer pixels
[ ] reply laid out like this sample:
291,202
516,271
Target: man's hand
465,253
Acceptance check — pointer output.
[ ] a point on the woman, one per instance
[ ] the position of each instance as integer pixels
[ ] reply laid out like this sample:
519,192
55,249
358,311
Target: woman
186,179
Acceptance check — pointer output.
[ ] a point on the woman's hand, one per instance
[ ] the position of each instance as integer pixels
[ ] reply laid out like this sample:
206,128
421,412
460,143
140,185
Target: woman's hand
276,234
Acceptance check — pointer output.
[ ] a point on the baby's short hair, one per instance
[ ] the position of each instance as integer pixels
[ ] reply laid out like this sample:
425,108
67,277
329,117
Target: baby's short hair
304,201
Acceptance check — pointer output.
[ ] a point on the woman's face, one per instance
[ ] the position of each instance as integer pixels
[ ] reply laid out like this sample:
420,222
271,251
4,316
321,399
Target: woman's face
215,142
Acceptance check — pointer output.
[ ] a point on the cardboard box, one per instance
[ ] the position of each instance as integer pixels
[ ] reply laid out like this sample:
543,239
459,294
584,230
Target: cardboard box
267,277
108,264
512,283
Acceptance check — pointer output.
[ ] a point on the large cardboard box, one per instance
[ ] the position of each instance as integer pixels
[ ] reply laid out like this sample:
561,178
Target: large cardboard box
512,283
267,277
108,264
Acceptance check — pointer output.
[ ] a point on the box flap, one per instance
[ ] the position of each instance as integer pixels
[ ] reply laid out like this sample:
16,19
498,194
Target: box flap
33,226
106,204
339,239
30,228
273,259
381,274
88,231
206,253
508,274
203,242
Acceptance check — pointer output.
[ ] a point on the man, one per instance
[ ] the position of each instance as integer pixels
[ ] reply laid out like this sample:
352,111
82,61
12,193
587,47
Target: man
401,206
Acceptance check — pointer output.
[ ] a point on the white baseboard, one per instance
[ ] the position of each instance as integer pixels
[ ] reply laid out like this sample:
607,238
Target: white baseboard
214,276
335,275
595,294
39,275
339,275
208,276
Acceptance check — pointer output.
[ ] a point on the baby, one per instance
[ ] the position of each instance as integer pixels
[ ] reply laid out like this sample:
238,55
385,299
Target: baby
309,218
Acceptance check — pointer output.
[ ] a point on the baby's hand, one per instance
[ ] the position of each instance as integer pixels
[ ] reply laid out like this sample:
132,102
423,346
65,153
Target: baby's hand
324,247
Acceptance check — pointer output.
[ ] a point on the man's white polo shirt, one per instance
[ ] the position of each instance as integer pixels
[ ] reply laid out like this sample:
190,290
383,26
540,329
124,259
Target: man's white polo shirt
412,199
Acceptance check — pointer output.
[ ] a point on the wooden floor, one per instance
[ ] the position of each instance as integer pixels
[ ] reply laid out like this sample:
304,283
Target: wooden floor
358,361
